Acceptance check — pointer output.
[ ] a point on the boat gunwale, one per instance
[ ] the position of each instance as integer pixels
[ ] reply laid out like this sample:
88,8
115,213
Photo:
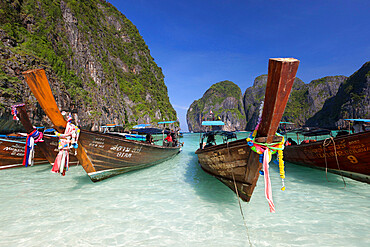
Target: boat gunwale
91,133
232,144
339,138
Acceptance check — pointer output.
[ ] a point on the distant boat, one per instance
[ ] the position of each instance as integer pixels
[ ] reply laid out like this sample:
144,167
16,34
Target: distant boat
158,133
234,163
139,132
110,129
285,127
134,137
101,155
345,154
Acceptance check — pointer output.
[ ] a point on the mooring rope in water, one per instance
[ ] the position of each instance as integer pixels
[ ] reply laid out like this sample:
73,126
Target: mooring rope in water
241,209
326,164
237,194
325,144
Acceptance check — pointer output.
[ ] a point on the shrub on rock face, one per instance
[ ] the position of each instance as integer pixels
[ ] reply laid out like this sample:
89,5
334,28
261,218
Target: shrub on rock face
94,57
304,101
224,100
351,101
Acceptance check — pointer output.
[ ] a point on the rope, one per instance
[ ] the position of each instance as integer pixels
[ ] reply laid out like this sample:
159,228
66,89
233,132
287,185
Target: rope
278,147
237,194
326,164
325,144
241,209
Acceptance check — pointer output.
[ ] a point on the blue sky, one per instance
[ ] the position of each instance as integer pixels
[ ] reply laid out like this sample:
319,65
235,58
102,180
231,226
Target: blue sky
199,43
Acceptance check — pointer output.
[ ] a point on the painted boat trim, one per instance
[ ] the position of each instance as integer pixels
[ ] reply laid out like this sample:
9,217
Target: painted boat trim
9,140
21,165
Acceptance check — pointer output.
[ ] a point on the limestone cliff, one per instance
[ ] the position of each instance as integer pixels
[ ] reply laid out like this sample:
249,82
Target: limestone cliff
323,102
224,101
307,99
96,61
254,96
351,101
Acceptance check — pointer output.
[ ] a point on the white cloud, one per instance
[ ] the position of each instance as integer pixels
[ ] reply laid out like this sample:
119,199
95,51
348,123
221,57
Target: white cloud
180,107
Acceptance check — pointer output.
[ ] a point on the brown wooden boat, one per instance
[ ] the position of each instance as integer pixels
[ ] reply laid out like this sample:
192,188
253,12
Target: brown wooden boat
12,150
113,155
234,163
12,153
101,155
12,147
352,152
49,148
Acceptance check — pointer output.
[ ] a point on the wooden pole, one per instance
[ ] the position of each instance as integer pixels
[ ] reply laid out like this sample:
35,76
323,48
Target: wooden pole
281,75
23,117
39,85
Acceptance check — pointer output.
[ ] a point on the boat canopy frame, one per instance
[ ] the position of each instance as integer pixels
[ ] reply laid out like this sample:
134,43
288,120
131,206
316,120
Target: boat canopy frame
226,135
151,131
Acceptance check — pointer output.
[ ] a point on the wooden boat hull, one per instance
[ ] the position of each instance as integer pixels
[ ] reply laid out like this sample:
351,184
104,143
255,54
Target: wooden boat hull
234,163
12,153
52,151
352,152
96,152
114,155
231,162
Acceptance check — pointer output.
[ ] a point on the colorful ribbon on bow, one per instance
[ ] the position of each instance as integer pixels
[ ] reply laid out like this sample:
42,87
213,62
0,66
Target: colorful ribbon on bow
265,150
32,138
66,141
268,190
15,112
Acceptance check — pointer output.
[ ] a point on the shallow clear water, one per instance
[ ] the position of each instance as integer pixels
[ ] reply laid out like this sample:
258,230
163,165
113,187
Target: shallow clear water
176,204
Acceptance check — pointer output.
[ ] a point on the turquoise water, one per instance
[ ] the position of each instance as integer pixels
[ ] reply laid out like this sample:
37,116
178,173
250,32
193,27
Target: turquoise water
176,204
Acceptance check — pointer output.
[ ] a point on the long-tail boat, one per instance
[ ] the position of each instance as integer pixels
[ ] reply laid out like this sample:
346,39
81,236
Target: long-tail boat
345,154
49,147
101,155
12,152
234,163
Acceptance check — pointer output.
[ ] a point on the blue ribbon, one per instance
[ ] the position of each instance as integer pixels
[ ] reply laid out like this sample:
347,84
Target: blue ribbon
34,134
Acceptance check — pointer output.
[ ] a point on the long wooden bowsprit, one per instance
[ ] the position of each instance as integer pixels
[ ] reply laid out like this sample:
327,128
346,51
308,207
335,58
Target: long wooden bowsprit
235,163
281,76
101,155
39,85
23,117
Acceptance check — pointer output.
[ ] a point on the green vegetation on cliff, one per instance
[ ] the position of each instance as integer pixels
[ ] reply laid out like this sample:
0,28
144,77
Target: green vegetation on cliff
224,100
351,101
297,105
216,94
37,42
322,102
93,49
